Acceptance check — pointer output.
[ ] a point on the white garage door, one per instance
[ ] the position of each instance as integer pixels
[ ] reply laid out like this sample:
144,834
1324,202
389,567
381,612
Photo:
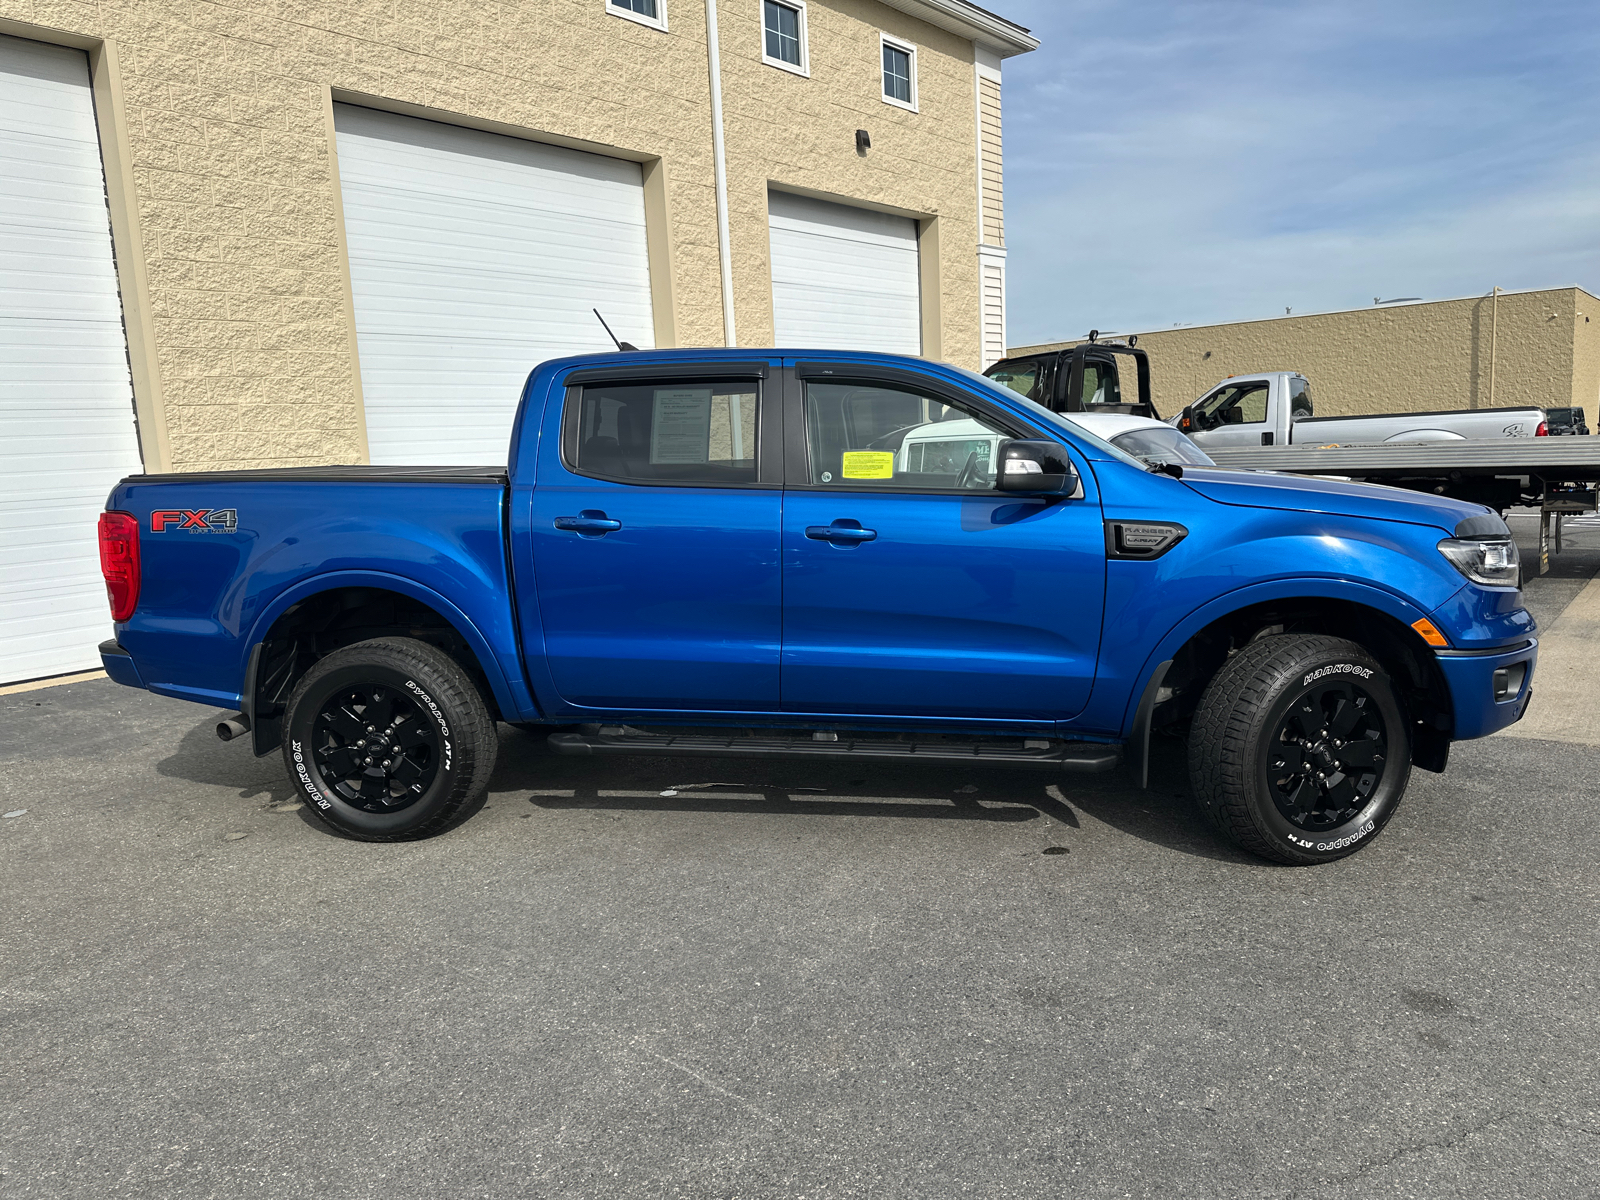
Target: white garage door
473,258
843,278
66,404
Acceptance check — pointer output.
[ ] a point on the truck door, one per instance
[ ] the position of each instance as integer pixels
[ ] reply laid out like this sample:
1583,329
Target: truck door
912,587
654,540
1233,415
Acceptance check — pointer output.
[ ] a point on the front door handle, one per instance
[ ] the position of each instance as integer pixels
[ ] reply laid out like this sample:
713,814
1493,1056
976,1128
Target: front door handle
591,522
841,533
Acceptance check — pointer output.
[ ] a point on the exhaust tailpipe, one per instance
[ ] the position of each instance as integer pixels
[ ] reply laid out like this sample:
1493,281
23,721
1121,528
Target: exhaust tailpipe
235,726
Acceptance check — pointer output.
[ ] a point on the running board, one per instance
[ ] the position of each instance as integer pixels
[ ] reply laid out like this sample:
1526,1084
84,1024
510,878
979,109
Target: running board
1050,754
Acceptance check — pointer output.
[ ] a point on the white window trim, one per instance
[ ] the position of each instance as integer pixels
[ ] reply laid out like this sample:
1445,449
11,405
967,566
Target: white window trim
886,39
659,21
804,68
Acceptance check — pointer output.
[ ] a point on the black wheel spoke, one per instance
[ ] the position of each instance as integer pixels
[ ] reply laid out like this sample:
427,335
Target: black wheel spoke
1363,752
1289,758
406,773
340,763
1306,719
1294,803
412,734
344,722
1346,713
380,707
374,785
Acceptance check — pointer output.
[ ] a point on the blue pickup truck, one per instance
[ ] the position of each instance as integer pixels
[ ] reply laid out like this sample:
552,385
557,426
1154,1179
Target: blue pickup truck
837,555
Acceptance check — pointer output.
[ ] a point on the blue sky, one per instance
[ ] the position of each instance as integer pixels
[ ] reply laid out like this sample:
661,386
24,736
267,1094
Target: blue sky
1216,160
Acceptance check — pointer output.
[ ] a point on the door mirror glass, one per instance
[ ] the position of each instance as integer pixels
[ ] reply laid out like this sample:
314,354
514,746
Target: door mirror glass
1037,466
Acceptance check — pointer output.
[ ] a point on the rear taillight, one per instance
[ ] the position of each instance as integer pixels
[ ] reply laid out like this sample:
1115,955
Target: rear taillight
1542,431
119,562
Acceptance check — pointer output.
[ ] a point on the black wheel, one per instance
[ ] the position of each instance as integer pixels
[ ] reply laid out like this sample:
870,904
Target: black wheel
389,740
1300,751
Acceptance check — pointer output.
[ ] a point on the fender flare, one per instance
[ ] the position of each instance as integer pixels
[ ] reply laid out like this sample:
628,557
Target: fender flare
1304,587
330,581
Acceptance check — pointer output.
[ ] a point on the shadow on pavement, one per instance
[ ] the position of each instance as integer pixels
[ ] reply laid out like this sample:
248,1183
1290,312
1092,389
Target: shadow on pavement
1163,814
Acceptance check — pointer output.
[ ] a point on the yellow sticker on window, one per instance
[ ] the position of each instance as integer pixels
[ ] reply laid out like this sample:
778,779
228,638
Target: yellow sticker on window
868,464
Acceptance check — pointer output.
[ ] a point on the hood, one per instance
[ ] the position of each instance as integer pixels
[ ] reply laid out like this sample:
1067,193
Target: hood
1305,493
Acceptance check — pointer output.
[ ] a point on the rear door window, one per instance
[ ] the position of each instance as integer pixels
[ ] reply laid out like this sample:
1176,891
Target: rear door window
677,431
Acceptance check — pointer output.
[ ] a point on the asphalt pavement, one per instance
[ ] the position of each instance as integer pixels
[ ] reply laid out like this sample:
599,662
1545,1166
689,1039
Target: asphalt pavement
783,979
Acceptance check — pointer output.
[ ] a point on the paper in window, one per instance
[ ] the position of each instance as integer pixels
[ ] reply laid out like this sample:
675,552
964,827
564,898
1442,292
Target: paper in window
680,429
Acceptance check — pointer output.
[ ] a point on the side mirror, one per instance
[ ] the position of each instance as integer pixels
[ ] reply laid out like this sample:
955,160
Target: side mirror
1186,419
1035,465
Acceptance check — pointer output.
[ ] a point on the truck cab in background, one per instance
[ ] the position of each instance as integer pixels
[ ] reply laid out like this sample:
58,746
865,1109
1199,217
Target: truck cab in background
1274,408
1090,378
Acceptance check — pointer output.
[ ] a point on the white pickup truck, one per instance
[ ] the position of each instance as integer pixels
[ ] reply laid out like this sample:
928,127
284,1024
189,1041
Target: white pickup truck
1274,408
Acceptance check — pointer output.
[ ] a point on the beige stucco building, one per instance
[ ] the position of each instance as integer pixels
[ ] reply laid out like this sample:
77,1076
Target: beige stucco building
217,128
1515,348
289,233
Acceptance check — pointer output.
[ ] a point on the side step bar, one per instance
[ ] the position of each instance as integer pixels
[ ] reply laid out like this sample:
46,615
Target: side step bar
1050,754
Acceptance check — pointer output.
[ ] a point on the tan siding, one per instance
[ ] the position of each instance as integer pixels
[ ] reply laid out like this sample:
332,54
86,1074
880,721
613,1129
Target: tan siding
994,312
994,196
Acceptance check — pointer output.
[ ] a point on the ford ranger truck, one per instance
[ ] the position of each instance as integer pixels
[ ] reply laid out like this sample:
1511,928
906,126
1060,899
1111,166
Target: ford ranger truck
723,552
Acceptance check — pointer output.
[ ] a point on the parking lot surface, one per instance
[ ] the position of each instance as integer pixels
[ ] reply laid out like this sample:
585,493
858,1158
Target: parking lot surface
692,978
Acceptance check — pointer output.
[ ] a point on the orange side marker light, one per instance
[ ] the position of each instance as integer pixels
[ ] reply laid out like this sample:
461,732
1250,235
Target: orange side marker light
1430,634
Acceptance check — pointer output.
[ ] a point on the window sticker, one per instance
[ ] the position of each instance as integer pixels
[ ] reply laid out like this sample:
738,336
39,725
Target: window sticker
868,464
681,429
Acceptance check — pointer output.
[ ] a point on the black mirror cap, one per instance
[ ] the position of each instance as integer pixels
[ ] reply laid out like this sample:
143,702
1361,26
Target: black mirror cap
1034,465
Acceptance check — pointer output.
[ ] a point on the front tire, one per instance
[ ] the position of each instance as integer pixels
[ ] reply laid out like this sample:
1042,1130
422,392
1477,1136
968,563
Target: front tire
1300,751
389,740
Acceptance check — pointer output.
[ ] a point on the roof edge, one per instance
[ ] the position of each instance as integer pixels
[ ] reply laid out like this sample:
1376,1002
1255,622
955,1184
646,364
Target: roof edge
995,33
1067,343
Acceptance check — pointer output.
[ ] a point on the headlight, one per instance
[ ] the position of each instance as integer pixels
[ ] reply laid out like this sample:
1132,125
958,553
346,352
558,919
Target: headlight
1492,562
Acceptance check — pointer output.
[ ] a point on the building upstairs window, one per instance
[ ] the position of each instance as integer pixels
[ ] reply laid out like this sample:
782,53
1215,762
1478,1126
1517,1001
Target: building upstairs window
783,35
899,73
647,12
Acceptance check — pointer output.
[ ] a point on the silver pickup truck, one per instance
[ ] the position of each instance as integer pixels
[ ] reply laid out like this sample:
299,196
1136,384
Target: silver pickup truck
1274,408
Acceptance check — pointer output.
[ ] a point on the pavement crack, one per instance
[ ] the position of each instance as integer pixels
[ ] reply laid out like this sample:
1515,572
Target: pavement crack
715,1087
1445,1144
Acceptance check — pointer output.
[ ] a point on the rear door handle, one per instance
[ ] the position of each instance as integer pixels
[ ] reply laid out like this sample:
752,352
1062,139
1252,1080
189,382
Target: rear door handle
841,533
591,522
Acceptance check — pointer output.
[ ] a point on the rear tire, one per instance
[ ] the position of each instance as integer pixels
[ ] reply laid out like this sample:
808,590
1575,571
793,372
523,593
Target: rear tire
389,740
1300,750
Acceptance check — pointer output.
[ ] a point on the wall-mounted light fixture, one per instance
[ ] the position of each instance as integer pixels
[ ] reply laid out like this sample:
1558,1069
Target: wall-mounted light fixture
863,141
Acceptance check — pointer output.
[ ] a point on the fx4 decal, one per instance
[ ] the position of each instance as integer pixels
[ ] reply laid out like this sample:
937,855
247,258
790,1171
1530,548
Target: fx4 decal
206,520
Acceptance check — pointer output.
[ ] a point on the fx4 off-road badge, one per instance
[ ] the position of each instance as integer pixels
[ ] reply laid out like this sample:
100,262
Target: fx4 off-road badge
195,520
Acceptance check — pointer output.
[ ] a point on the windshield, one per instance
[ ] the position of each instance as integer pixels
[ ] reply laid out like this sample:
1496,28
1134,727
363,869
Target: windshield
1162,445
1041,415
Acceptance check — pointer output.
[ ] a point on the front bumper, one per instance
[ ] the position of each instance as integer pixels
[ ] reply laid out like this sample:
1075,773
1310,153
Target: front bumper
119,664
1485,699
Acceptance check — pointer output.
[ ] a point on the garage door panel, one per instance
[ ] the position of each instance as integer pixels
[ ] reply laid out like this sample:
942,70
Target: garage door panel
473,257
66,403
843,278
